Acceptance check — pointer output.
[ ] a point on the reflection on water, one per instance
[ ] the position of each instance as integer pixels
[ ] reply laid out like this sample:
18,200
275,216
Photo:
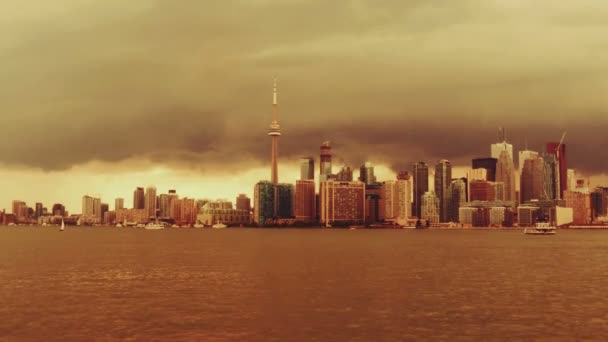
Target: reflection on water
128,284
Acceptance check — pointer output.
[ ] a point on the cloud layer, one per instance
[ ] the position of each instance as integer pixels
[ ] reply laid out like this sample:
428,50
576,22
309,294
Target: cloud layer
187,84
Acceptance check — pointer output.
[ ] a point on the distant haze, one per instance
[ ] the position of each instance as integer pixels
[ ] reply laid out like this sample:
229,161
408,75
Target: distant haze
119,89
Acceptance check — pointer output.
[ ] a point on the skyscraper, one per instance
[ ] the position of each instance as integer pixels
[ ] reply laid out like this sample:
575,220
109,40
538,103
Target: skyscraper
307,168
505,173
150,201
532,182
88,206
342,202
305,198
38,212
391,199
119,203
345,174
404,197
523,156
457,197
139,198
243,203
443,178
104,208
325,165
420,171
274,132
559,151
429,207
366,173
489,164
263,202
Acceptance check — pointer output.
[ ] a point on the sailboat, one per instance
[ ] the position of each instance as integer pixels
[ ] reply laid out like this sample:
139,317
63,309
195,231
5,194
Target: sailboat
62,226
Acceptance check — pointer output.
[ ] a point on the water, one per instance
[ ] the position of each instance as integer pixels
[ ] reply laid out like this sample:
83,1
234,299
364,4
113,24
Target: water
327,285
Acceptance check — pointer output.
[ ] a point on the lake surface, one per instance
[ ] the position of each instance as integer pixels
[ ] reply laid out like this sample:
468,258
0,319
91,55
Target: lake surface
290,285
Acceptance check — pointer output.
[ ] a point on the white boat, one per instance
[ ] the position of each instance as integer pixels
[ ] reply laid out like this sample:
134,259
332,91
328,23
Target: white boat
155,226
140,225
62,226
541,228
198,225
119,225
219,226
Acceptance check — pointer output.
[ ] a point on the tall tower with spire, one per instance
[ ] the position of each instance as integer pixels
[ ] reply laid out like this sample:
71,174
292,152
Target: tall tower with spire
274,132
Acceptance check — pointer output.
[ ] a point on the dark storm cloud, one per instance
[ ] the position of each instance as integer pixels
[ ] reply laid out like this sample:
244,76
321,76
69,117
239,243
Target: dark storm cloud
188,83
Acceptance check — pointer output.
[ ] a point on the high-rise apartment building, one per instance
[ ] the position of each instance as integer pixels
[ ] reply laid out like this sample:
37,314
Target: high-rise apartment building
443,179
523,156
481,190
420,172
342,202
39,210
307,168
430,207
404,197
305,200
272,201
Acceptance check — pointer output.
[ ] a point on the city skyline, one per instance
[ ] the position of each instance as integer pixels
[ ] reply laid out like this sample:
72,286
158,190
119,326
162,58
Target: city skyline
391,84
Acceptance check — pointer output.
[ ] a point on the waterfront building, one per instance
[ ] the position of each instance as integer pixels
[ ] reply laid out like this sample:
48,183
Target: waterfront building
599,202
580,202
443,179
420,172
391,200
496,216
325,170
305,201
404,197
272,201
221,211
526,215
150,201
342,202
307,168
465,215
366,173
19,210
131,216
487,164
109,217
430,207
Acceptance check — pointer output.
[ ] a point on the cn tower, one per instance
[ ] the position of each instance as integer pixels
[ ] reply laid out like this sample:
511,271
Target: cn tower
274,132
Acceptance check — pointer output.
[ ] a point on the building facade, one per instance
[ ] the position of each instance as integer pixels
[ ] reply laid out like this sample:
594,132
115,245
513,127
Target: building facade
342,202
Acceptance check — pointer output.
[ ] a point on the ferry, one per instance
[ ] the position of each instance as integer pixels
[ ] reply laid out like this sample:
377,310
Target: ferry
155,226
541,228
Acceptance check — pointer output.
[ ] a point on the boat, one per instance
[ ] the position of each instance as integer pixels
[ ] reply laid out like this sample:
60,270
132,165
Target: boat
140,225
62,226
174,226
219,226
154,226
119,225
198,225
541,228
